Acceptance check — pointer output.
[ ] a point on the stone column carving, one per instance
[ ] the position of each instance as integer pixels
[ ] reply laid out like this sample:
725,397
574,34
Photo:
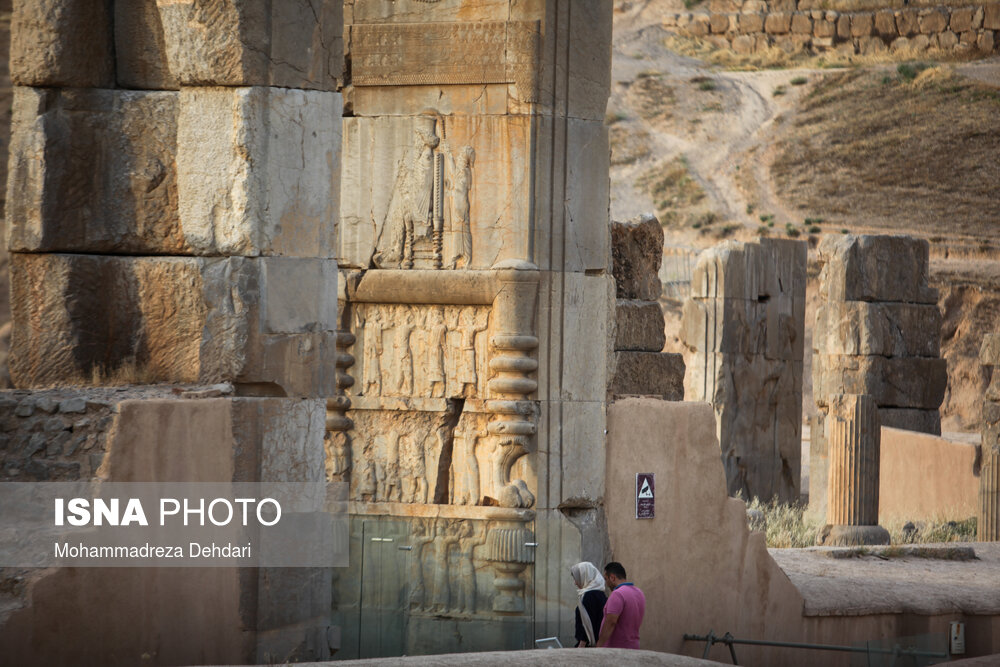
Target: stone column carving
507,548
854,438
988,524
338,441
512,380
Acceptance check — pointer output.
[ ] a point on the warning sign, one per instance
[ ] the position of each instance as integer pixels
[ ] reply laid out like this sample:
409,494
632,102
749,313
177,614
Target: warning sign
645,490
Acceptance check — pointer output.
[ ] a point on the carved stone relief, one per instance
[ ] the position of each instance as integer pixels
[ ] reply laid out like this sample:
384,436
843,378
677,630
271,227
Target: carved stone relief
421,351
444,566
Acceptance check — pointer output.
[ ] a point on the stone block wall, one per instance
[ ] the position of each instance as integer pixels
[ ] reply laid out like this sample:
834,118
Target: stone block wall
753,25
988,514
744,326
640,366
172,192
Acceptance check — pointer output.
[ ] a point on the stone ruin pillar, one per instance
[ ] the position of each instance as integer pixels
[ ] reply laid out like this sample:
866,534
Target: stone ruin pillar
475,288
744,325
171,217
641,368
877,333
988,523
854,438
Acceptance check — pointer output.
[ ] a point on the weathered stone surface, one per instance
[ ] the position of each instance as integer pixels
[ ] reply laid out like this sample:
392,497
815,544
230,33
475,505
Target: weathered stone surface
862,24
106,318
986,42
887,329
921,421
874,268
636,253
991,17
649,374
778,23
894,382
639,326
258,171
824,29
94,170
933,21
801,24
719,23
62,43
907,22
751,23
699,26
947,39
961,19
843,27
140,49
885,23
288,44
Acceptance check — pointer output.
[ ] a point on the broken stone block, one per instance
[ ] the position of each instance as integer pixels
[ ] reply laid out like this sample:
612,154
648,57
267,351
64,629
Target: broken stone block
718,23
99,319
258,170
914,382
649,374
933,21
885,23
907,22
62,43
991,17
862,25
639,326
801,24
874,268
636,252
751,23
778,23
886,329
287,44
140,49
732,326
94,171
961,19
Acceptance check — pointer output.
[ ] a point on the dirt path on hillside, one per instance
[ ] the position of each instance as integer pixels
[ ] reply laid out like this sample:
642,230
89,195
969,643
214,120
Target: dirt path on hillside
717,121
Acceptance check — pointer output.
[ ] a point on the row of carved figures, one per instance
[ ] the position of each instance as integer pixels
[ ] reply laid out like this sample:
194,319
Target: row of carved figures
422,351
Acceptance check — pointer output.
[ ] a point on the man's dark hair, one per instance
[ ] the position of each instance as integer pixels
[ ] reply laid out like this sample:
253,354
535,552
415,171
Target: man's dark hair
615,568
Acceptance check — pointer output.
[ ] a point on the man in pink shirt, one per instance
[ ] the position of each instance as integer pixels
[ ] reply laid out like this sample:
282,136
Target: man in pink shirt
623,611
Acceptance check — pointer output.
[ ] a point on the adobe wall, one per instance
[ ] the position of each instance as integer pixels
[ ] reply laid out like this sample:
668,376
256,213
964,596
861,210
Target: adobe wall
851,26
924,477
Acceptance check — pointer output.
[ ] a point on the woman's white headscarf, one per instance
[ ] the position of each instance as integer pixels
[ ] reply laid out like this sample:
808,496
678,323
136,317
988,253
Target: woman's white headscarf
588,578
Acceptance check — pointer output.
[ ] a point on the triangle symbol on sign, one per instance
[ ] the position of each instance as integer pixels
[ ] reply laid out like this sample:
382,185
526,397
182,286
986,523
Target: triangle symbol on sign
645,491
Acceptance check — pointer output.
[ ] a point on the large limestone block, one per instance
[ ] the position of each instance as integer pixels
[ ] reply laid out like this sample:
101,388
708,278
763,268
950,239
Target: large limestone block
258,170
140,47
94,171
914,382
107,319
874,268
649,374
886,329
636,253
62,43
283,43
639,326
731,326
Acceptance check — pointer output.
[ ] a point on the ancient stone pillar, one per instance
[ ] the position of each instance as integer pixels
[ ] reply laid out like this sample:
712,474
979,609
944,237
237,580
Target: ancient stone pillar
474,254
854,439
877,333
744,325
988,523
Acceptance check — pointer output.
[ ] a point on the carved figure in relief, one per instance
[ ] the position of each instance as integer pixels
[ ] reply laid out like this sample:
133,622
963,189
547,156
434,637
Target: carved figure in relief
338,451
453,355
467,542
461,184
415,490
423,535
404,353
387,468
411,208
436,345
442,589
467,365
373,324
466,467
367,483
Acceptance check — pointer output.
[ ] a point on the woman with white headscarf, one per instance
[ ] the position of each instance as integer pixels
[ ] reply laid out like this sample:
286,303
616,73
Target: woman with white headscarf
590,605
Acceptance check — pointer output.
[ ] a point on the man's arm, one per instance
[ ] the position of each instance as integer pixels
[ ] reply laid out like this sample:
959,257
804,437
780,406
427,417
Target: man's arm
607,627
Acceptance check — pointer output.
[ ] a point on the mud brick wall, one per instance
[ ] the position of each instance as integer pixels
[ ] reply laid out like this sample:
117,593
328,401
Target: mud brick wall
752,26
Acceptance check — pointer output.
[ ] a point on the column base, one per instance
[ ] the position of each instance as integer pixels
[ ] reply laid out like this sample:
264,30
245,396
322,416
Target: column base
849,536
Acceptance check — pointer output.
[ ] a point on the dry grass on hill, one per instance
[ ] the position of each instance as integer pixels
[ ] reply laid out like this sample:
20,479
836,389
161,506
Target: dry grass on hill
904,148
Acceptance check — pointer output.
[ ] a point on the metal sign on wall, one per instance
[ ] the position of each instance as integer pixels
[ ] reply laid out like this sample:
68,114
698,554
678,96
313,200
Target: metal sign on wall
645,495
